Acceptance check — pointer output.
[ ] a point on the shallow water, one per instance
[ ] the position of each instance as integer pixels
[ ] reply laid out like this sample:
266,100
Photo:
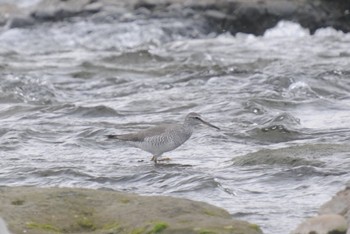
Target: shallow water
282,101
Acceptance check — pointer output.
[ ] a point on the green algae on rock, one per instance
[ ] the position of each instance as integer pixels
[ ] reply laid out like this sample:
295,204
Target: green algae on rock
298,155
71,210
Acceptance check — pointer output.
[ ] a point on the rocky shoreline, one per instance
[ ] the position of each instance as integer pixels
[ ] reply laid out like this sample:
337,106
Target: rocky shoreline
33,210
333,217
247,16
67,210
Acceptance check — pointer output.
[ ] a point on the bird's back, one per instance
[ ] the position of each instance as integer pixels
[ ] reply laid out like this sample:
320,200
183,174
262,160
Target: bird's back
159,139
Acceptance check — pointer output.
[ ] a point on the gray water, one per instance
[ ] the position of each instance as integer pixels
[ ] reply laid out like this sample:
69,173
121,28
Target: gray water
282,101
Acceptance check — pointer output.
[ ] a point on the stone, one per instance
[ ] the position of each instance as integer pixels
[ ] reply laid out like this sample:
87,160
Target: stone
299,155
33,210
20,22
55,10
323,224
93,7
339,204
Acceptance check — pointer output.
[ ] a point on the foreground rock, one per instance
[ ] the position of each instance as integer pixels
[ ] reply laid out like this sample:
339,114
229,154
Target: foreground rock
248,16
323,224
334,217
66,210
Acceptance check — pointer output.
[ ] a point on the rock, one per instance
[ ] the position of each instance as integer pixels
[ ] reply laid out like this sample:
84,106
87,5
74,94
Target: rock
339,204
93,7
248,16
55,10
44,210
20,22
324,224
334,217
299,155
7,11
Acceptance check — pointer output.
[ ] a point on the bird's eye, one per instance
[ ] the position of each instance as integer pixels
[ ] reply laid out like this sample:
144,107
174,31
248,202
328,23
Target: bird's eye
196,117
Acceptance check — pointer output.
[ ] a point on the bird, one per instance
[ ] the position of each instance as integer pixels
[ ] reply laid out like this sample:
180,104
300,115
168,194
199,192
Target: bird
163,138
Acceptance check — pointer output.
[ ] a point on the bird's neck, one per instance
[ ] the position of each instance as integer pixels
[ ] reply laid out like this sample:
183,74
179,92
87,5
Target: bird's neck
188,127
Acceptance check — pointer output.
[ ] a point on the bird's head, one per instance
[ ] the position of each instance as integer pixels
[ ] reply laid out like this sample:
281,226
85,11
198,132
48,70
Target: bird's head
194,119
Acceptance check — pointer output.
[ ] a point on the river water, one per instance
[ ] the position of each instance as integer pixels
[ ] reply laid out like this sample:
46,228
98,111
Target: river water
282,101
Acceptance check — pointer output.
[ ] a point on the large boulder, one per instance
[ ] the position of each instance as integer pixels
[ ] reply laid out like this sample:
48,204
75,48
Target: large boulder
323,224
33,210
333,218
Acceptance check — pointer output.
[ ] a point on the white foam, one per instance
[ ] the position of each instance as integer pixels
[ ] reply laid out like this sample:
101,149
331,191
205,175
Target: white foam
287,29
331,32
3,227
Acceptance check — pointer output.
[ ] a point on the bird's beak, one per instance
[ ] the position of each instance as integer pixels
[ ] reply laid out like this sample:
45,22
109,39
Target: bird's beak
209,124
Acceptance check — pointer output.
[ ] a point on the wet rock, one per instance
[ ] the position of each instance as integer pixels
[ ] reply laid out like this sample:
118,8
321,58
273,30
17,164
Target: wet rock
324,224
20,22
334,217
71,210
285,156
93,7
253,16
55,10
7,11
281,128
311,14
339,204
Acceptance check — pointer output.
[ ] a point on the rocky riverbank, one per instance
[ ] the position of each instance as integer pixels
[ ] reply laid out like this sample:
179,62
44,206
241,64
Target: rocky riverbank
333,217
68,210
33,210
253,16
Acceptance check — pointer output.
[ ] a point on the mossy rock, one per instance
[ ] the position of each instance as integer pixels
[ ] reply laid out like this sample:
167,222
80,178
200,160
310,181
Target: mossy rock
298,155
67,210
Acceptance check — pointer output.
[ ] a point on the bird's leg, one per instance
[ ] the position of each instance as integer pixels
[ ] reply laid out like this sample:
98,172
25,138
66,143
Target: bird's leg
154,158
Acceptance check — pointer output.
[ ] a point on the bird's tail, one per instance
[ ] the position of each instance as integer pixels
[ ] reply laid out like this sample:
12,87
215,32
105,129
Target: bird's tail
123,137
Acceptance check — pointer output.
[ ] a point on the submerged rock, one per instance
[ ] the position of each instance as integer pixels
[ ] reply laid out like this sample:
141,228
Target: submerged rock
67,210
298,155
20,22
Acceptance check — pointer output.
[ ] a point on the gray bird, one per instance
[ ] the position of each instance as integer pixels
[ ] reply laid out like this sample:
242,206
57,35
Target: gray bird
163,138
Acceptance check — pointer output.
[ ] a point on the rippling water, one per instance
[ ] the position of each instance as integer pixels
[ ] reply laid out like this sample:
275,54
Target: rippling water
282,101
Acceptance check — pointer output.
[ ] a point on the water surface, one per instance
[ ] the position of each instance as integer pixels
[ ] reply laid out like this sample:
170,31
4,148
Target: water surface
282,101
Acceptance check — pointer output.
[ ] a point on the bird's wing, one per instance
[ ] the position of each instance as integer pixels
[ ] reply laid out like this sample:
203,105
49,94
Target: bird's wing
142,135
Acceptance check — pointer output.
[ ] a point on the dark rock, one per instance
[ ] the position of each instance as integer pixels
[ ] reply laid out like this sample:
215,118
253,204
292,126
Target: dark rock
256,17
3,227
20,22
247,16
